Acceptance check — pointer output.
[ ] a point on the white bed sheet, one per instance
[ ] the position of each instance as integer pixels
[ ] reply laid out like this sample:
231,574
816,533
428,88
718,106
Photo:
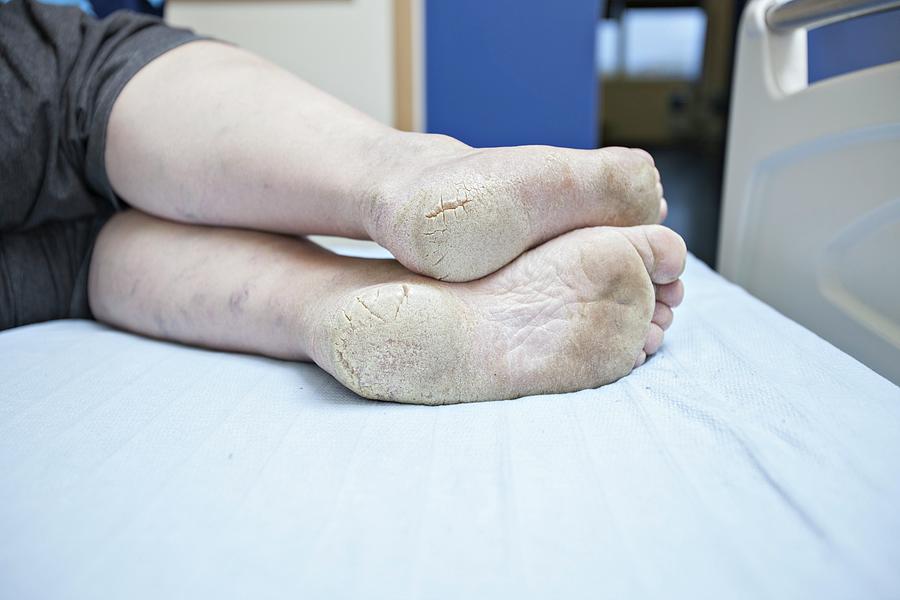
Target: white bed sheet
749,459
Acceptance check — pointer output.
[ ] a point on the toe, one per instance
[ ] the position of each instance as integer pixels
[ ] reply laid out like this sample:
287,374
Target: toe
670,294
663,207
654,339
662,315
662,250
645,154
629,184
641,359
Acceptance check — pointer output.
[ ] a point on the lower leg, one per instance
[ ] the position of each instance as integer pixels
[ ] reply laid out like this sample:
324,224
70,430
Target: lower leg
221,288
208,133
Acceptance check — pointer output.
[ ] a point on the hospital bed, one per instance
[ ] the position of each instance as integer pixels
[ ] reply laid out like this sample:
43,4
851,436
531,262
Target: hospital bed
749,459
811,215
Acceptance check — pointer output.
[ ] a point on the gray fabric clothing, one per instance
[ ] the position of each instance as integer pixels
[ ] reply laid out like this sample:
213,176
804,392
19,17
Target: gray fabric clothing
60,73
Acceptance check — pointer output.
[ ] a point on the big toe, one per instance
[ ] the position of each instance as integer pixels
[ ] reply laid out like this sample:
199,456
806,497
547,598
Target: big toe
663,251
644,154
631,182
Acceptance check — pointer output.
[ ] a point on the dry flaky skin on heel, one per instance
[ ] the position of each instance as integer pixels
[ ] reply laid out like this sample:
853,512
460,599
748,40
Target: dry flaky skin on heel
454,233
571,315
404,343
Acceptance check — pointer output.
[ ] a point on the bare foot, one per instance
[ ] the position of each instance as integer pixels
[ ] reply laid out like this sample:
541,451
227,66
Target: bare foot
461,213
577,312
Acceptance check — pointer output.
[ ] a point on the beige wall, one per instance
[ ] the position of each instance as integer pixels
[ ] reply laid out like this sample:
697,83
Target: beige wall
409,64
345,47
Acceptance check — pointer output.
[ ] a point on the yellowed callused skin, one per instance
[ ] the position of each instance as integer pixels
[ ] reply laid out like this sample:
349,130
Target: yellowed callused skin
570,315
467,216
404,343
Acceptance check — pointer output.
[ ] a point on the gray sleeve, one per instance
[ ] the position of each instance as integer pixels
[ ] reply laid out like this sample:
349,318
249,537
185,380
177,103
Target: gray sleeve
44,271
130,43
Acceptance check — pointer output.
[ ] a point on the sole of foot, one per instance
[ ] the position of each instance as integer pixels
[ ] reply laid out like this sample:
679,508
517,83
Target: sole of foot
577,312
466,213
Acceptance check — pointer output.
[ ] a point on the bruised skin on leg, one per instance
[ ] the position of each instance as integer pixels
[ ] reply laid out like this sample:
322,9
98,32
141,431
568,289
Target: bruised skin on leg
573,313
221,288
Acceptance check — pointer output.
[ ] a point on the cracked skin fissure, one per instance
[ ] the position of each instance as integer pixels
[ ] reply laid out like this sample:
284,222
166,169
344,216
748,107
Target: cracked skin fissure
571,314
464,228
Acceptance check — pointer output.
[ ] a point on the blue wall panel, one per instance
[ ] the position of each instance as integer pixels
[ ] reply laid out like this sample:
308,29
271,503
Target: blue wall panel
855,44
506,72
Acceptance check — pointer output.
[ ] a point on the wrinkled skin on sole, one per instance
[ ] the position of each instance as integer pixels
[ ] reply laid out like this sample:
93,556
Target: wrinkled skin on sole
574,313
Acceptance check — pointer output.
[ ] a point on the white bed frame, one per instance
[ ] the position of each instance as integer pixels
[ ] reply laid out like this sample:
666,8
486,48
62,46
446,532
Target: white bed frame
811,208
